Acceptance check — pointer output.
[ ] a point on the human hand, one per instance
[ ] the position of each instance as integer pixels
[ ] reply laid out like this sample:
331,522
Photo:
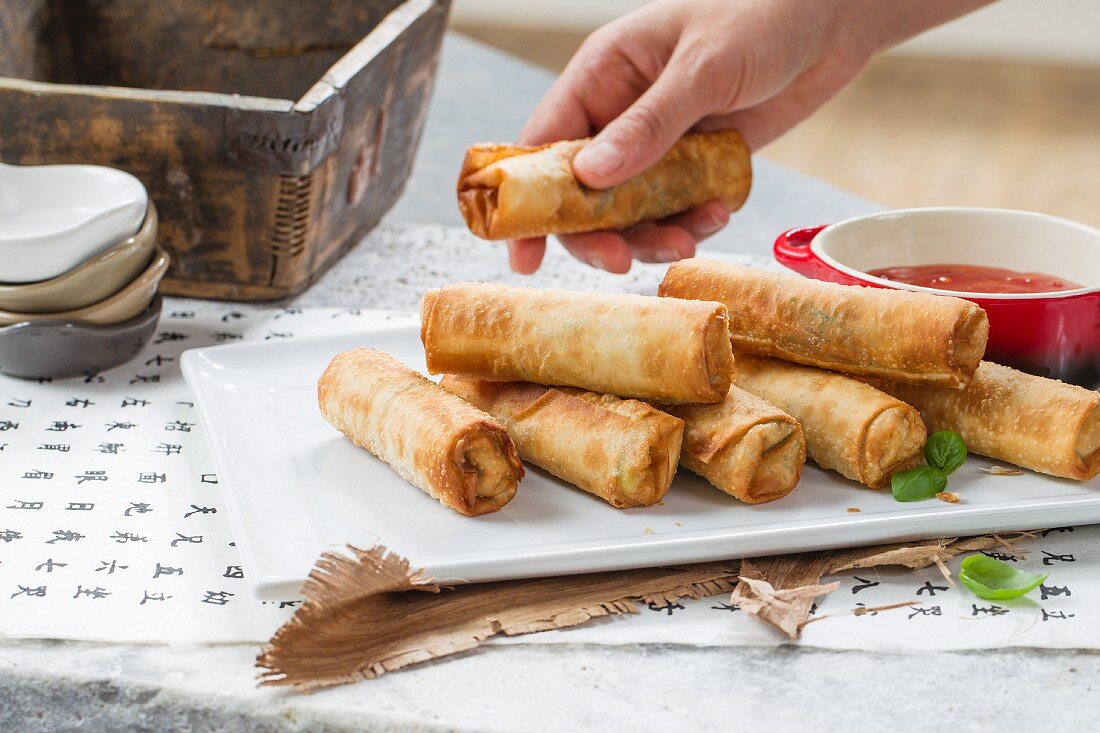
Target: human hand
758,66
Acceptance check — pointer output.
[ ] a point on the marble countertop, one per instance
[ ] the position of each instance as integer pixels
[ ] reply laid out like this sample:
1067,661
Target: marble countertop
58,686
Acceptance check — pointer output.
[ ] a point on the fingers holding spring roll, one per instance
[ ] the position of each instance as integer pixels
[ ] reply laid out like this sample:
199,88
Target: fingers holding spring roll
623,451
850,427
743,445
443,445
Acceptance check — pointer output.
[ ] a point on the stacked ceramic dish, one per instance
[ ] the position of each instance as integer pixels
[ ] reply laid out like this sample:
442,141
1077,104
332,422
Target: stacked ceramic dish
79,269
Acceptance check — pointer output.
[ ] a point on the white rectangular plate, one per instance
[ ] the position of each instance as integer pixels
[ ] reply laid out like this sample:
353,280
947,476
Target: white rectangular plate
295,487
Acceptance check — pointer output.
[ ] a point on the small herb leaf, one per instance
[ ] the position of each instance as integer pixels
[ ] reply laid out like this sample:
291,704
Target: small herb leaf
995,580
918,483
945,450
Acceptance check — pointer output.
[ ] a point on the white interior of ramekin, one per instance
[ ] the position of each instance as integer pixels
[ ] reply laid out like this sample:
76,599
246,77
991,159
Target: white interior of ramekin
1018,240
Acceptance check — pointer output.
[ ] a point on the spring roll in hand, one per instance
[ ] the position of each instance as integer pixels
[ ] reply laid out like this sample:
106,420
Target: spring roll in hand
850,427
1034,422
743,445
438,442
509,191
900,335
623,451
628,345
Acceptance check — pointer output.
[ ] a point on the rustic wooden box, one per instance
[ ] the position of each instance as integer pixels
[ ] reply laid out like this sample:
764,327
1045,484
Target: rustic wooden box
272,134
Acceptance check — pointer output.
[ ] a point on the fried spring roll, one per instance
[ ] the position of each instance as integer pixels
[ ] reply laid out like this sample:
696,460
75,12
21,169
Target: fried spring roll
628,345
623,451
509,191
438,442
1038,423
852,428
745,446
900,335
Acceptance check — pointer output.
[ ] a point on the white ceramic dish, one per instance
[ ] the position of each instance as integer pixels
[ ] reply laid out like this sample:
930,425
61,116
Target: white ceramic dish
54,217
295,487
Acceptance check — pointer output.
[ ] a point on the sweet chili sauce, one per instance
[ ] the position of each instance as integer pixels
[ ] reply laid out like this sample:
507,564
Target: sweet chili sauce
975,279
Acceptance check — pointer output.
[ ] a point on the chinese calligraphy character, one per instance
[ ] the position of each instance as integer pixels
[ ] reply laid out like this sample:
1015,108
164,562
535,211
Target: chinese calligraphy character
726,607
1002,556
93,593
153,597
232,316
32,505
233,571
59,447
217,597
1049,591
179,426
15,402
295,311
929,588
991,611
134,402
91,476
1051,558
1060,530
165,570
158,360
278,335
165,336
118,425
195,509
930,611
195,539
6,425
168,449
223,336
60,426
50,565
110,567
181,314
92,376
9,535
1060,615
145,379
81,403
864,584
26,590
64,535
110,448
669,607
137,508
152,478
80,506
122,538
38,474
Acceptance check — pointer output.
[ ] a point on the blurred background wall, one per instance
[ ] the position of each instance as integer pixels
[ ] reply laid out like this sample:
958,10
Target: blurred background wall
999,108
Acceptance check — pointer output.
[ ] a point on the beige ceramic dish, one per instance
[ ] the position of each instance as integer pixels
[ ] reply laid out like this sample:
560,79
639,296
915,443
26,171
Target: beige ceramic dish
122,306
90,282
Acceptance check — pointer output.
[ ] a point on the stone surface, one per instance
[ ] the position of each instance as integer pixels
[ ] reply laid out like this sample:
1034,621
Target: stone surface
64,686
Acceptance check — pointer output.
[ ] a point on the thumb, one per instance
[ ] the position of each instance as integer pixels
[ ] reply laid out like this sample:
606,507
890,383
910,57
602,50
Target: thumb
643,133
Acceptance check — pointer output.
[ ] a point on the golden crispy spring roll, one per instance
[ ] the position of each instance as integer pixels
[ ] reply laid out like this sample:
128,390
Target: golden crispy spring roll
851,427
1034,422
623,451
894,334
438,442
508,191
745,446
628,345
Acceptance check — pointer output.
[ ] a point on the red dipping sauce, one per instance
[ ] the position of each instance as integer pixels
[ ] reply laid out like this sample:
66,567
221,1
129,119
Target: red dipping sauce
975,279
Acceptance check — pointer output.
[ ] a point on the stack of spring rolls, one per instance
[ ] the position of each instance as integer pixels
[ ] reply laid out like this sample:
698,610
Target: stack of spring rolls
611,393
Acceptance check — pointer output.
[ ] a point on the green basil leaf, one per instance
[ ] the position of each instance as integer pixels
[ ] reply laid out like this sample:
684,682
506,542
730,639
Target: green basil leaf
918,483
945,450
995,580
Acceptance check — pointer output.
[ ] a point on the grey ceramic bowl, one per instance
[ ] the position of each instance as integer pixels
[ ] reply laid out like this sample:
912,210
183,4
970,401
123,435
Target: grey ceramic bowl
58,349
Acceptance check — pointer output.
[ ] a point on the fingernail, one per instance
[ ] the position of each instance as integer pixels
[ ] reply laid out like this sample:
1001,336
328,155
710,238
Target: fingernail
666,255
596,261
601,158
710,225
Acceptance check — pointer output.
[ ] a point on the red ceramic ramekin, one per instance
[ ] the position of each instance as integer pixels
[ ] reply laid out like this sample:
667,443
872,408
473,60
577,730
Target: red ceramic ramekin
1052,334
